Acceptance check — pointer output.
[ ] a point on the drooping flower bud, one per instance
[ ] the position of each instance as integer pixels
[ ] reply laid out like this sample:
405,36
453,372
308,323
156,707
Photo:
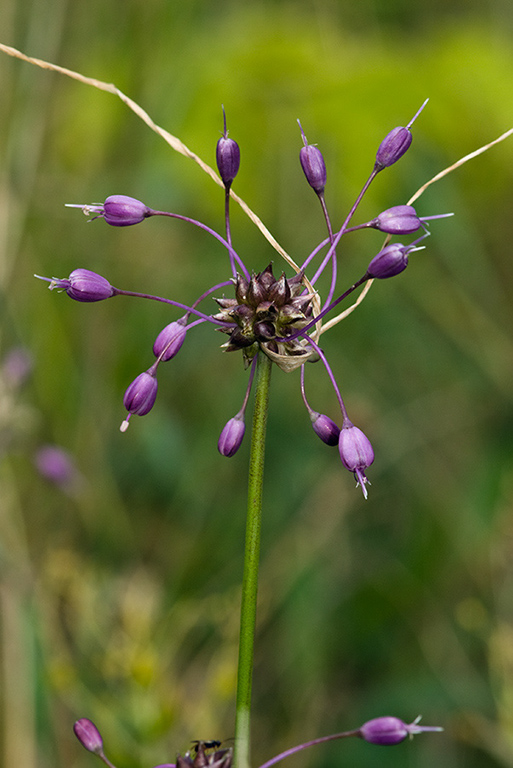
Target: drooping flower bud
169,341
395,144
227,157
231,436
390,261
88,735
82,285
399,220
313,165
117,210
140,395
325,428
356,452
387,731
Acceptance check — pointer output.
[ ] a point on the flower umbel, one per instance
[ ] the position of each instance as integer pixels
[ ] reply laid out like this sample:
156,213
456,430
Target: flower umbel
263,314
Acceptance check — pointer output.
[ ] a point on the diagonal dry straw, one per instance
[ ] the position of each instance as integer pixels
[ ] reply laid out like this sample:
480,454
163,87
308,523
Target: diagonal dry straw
183,149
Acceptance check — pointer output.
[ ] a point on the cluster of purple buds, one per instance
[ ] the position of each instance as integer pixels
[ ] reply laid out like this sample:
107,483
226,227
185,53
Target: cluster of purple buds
275,315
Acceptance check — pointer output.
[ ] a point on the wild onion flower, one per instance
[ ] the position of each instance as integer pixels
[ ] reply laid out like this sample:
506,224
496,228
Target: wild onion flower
266,312
382,731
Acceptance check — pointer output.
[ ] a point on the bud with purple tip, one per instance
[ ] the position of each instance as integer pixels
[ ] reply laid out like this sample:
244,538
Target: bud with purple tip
82,285
169,341
325,428
390,261
227,157
387,731
88,735
140,395
117,210
395,144
356,452
312,163
231,436
399,220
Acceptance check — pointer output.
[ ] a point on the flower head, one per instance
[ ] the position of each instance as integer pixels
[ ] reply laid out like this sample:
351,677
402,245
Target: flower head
313,165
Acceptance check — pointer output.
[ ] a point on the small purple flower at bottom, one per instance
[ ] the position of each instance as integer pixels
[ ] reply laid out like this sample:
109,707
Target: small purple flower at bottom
88,735
356,453
387,731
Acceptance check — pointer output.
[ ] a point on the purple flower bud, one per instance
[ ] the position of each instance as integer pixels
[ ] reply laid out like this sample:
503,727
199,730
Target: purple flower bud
117,210
312,163
123,211
169,341
140,396
325,428
393,147
231,436
355,452
395,144
88,735
399,220
390,261
227,157
82,285
387,731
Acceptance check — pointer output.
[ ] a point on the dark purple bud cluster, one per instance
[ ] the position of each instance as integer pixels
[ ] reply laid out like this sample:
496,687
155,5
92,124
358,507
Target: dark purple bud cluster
279,317
264,312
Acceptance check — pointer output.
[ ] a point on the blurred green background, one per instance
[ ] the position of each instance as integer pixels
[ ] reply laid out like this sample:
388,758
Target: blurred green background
120,593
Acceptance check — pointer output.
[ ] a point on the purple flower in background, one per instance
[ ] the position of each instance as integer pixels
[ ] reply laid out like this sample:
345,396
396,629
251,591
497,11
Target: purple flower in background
58,466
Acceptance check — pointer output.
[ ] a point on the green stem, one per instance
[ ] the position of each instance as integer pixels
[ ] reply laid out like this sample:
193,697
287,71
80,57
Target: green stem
251,557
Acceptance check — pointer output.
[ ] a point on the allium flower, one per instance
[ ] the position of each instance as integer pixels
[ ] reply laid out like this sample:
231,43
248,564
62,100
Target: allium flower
282,317
387,731
82,285
356,453
117,210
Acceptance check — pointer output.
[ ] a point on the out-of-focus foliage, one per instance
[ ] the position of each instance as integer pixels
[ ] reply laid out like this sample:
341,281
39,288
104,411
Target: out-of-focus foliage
120,593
